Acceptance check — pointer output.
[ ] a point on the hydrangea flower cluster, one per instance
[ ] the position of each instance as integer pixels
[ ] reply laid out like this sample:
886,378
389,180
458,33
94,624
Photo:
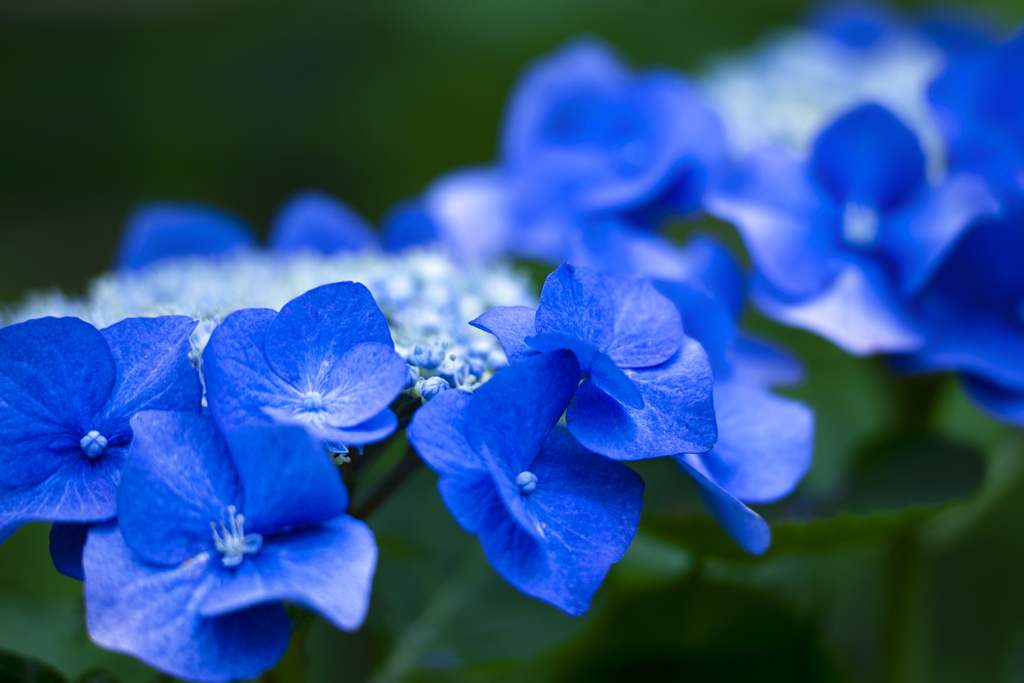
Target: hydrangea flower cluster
184,425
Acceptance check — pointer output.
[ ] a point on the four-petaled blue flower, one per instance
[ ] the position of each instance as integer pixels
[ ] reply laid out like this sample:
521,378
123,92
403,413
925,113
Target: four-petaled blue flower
326,362
584,139
212,533
67,394
844,243
551,516
648,387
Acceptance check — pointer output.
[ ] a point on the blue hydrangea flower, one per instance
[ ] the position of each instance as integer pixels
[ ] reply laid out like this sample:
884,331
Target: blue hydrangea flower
583,139
309,221
159,230
765,442
212,533
647,388
843,243
981,112
973,311
551,516
326,362
67,393
319,222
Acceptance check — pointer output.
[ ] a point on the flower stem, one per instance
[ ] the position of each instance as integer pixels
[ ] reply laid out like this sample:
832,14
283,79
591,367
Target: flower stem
409,464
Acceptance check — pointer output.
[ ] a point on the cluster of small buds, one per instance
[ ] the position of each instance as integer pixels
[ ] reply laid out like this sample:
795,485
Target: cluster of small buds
426,298
439,365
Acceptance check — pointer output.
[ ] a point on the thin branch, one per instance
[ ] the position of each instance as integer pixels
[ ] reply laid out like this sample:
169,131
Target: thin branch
410,462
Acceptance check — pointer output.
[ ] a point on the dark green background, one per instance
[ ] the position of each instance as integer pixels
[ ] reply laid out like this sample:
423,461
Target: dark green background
242,102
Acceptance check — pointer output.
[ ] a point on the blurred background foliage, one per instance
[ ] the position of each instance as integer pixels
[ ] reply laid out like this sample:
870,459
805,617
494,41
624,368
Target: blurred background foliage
900,558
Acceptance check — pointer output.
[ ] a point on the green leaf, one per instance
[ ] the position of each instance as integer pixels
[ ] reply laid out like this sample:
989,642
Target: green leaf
17,669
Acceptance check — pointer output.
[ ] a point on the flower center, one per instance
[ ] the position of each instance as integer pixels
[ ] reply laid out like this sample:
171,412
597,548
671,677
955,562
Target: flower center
93,444
312,402
526,481
232,542
860,224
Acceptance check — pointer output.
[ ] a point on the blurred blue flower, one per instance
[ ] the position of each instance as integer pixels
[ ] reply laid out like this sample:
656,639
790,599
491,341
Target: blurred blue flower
648,387
980,109
212,533
309,221
67,393
584,139
765,442
843,243
973,311
317,221
159,230
551,516
326,362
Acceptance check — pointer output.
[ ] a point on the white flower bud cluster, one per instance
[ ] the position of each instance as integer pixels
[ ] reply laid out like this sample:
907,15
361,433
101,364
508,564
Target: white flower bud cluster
784,92
427,299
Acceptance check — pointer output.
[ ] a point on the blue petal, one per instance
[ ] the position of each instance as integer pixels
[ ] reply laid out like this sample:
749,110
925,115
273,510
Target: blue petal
678,414
513,413
705,319
240,384
377,428
764,444
588,509
980,345
154,371
313,331
925,232
327,568
762,363
163,229
179,480
772,203
316,220
354,391
604,373
467,496
647,326
741,523
55,376
288,479
81,490
1006,404
868,156
511,416
66,544
511,325
581,131
575,302
858,312
470,210
408,225
151,613
438,433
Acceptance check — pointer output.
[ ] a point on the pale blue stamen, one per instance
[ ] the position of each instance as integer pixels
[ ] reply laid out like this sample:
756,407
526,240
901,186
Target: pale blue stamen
860,224
312,402
93,444
526,481
232,542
